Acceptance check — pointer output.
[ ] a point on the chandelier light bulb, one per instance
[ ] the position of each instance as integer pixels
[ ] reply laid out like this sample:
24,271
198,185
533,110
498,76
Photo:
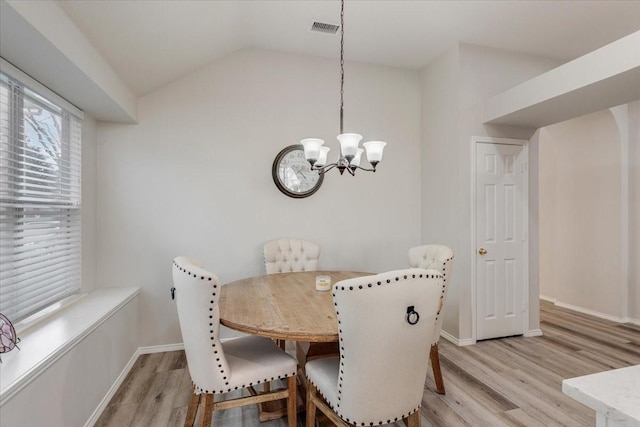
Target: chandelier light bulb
349,144
374,150
356,160
322,158
312,148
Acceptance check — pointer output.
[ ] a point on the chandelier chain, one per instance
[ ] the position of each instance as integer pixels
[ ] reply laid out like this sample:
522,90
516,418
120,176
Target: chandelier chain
342,67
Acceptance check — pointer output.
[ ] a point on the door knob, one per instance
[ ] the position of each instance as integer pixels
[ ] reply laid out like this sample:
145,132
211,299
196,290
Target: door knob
482,251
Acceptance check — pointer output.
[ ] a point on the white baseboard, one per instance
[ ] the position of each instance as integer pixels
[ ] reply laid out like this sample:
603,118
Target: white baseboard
533,333
633,321
160,348
118,382
592,312
466,341
549,299
456,341
112,390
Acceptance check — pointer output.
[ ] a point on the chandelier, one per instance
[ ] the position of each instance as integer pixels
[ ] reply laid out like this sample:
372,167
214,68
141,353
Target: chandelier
350,152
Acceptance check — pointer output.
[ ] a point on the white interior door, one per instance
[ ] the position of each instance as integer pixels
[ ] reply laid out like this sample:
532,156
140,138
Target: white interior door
501,233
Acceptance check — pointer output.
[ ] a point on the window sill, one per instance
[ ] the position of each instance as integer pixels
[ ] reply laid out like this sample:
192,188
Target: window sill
45,342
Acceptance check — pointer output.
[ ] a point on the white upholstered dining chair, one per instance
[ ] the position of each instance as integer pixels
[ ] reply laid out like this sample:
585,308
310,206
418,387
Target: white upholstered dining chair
440,258
385,326
289,255
219,367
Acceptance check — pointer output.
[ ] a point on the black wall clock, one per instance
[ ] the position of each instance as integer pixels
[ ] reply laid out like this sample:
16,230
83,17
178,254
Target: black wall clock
292,173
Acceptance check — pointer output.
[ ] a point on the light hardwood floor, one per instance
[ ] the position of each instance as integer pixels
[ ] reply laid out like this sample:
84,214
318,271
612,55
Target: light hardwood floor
505,382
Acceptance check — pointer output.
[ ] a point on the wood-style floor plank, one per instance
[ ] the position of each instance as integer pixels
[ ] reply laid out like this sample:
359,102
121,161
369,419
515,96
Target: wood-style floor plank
518,417
157,406
513,381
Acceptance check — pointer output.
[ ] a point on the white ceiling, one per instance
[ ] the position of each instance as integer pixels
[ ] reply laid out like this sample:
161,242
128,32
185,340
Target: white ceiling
151,43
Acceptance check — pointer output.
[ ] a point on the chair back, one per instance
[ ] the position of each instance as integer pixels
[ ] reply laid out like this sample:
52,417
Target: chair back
434,257
287,255
197,295
383,358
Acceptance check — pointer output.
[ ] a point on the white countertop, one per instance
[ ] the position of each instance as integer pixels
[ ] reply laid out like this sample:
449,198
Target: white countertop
614,394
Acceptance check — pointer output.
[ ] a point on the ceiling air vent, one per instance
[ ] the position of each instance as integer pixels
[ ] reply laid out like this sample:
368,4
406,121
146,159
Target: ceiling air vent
322,27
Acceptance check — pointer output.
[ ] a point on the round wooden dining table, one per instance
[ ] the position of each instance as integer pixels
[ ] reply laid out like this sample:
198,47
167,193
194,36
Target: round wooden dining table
284,306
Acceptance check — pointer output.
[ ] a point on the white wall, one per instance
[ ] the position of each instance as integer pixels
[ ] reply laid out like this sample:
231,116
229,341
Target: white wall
485,72
194,176
617,134
440,182
580,214
534,234
634,211
463,77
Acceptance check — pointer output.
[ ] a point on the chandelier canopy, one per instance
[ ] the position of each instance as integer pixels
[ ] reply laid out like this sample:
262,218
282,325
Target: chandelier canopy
350,153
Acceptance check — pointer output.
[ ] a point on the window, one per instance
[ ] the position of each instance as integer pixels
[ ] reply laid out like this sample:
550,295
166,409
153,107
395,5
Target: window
39,199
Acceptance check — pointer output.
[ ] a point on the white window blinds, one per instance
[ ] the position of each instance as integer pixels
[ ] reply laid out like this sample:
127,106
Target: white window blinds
39,201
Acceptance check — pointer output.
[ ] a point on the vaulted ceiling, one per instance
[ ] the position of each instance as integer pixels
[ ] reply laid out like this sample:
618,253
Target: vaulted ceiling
151,43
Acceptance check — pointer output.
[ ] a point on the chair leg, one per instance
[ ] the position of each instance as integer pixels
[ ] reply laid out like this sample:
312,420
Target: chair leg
292,401
193,408
413,420
435,365
311,406
206,414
